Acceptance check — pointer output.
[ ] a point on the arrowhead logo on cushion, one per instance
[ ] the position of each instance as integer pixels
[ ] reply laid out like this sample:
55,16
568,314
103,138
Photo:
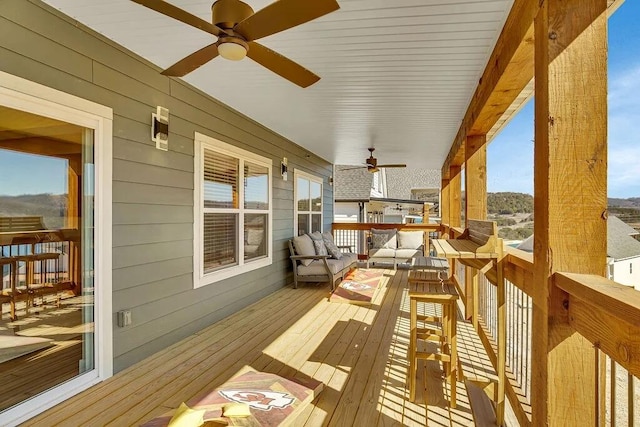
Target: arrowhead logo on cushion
263,400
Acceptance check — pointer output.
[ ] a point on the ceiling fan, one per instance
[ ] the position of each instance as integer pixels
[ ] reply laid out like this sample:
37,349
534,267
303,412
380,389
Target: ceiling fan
237,27
372,163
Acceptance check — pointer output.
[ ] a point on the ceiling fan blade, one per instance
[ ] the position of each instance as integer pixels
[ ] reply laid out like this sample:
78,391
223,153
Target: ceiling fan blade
354,168
174,12
281,15
281,65
193,61
392,166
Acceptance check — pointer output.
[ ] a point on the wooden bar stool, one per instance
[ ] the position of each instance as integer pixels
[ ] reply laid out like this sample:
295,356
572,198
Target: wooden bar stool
441,292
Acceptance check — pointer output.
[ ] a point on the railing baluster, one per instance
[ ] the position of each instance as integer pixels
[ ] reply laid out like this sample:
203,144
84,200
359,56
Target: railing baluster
521,330
603,388
630,399
612,408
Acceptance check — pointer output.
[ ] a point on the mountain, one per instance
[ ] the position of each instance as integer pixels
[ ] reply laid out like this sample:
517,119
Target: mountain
507,203
51,207
631,202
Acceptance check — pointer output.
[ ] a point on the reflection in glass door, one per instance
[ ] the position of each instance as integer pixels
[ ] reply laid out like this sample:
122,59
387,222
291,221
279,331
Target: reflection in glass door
46,254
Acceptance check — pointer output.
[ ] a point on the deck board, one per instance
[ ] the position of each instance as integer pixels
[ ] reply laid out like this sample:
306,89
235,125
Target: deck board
358,352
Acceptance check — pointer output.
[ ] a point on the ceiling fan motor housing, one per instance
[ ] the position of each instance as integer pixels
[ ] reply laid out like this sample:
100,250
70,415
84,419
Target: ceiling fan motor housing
227,13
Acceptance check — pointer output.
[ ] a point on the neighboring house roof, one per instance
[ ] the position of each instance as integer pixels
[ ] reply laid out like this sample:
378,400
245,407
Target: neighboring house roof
619,226
400,182
352,184
355,184
526,245
620,244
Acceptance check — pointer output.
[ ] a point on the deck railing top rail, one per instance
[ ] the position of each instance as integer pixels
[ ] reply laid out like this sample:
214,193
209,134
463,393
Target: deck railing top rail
383,226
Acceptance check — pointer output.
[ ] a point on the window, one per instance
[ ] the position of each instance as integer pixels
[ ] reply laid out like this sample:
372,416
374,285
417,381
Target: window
232,224
308,203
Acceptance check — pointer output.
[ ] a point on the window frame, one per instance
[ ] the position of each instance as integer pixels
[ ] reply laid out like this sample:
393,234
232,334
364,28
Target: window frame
200,278
297,173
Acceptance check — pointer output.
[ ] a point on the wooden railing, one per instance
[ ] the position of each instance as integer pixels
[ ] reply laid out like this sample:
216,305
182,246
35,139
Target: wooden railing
604,312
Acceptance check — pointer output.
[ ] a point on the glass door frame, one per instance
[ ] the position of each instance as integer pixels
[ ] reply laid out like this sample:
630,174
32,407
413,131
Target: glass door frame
31,97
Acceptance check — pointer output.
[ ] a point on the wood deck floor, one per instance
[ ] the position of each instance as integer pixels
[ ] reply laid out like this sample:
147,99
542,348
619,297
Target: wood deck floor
358,352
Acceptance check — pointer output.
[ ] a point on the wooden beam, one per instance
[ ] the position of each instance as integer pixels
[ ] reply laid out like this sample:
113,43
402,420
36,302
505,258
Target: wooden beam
570,177
509,70
615,299
43,147
475,184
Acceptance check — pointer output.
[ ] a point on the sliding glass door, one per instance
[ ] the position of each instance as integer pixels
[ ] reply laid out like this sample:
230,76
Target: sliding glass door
55,247
46,253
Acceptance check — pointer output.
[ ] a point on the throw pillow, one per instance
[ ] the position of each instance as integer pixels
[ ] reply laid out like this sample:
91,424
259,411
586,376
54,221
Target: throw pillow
410,239
332,249
304,246
320,247
318,243
383,239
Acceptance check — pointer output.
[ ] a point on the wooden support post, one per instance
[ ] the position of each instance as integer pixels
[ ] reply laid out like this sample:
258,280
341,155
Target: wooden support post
444,205
475,184
570,200
455,197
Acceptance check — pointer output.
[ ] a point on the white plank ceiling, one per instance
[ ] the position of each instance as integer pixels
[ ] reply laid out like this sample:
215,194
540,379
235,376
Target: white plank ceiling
395,74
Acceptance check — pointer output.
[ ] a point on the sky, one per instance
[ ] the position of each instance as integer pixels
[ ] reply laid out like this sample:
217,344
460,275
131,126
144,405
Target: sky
510,154
30,174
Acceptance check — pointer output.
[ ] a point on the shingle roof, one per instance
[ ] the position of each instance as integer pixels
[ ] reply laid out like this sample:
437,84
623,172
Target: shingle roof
355,184
620,244
352,184
621,226
400,182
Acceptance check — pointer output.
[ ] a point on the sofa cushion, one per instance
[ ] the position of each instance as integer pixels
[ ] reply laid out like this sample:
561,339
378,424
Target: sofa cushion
383,239
317,268
410,239
303,245
382,253
332,249
348,258
406,254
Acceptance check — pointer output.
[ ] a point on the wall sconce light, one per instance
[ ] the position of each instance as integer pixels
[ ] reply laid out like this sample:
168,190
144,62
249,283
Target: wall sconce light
331,180
283,168
160,128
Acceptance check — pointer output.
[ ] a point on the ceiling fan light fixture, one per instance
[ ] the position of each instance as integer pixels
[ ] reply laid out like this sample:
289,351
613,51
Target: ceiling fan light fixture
232,49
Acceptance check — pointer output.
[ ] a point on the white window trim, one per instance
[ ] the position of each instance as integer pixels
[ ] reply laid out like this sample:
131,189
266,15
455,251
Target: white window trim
297,173
25,95
199,278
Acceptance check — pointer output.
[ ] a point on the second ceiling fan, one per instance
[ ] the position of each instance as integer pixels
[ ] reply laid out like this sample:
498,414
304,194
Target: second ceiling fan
372,163
237,27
